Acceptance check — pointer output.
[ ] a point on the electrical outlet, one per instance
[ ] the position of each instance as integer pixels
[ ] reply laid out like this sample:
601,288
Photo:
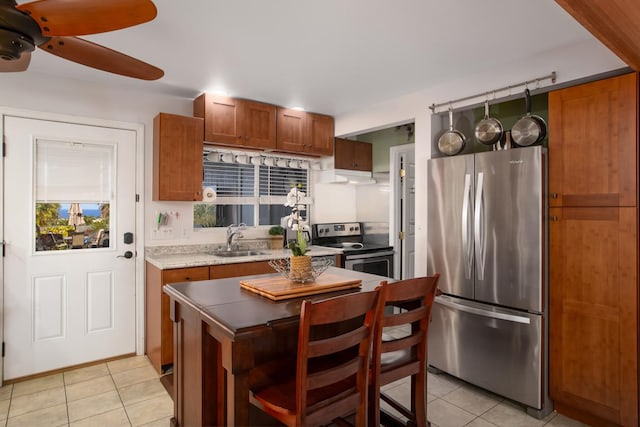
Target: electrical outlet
164,233
167,232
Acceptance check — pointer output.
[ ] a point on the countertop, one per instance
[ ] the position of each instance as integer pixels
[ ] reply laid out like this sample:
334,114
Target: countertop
166,258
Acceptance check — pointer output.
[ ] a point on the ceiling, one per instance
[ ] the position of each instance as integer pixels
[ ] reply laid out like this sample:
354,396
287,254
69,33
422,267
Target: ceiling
329,56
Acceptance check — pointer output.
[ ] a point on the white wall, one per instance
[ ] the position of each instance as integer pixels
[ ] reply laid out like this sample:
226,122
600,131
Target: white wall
570,63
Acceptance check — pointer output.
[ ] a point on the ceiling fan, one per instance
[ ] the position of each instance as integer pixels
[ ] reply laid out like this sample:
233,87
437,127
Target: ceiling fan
52,25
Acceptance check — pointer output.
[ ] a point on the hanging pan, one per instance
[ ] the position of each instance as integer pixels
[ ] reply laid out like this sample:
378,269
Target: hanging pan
530,128
452,141
488,130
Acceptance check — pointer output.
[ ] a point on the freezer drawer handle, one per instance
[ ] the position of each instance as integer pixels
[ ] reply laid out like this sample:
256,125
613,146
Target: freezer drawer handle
466,225
495,315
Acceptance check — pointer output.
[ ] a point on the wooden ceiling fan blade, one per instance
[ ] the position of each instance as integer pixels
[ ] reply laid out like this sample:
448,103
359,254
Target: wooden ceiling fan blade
18,65
82,17
96,56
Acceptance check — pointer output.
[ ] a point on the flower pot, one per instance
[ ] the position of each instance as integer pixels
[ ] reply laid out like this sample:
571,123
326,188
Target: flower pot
300,268
277,242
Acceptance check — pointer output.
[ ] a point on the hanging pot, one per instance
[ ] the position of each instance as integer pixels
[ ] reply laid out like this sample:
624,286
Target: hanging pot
488,130
452,141
530,128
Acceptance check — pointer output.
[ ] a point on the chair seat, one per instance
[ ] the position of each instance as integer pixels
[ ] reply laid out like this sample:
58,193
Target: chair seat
283,395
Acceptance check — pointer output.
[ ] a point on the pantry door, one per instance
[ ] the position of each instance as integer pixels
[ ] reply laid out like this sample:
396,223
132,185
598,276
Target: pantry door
69,292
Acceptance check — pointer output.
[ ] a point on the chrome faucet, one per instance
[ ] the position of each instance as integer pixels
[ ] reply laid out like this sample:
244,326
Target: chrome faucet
237,232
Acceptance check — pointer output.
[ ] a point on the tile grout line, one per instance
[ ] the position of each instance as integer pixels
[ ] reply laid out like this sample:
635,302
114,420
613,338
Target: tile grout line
66,398
124,407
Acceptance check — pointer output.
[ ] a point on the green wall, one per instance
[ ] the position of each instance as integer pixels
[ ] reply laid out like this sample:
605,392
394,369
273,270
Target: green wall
382,140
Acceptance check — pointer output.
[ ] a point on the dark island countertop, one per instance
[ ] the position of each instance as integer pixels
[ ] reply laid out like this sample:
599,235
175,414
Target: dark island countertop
235,310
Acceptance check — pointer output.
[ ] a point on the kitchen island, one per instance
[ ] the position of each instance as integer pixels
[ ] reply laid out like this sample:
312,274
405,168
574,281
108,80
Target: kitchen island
184,263
221,332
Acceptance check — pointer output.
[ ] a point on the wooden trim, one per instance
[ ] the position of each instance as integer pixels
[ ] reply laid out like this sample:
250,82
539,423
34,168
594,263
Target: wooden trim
65,369
613,22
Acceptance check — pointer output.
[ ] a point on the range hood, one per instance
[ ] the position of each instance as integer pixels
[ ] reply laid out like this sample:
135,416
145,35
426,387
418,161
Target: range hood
346,176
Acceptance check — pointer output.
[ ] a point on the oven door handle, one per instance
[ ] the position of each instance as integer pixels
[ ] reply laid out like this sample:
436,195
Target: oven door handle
368,255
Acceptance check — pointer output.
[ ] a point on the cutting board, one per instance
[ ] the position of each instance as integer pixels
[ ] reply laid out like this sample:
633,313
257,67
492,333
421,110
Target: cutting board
279,288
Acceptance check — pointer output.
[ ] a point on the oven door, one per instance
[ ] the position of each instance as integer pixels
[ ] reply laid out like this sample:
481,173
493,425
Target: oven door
379,263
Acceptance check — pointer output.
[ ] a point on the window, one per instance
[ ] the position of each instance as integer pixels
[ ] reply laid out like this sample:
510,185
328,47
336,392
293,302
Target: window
250,191
73,192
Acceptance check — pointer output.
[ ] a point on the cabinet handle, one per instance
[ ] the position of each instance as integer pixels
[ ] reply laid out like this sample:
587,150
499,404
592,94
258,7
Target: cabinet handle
554,218
188,279
554,195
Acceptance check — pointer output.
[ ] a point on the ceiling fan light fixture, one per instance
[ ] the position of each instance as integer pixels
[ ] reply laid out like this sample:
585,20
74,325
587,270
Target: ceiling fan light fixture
13,45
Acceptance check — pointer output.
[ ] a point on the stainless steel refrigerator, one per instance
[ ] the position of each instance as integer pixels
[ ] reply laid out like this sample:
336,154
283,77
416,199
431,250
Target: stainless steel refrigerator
487,237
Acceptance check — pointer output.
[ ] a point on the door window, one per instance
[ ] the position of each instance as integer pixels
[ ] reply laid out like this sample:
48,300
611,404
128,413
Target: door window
73,193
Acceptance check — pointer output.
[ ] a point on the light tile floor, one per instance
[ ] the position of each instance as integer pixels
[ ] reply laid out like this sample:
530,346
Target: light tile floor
125,392
454,403
128,392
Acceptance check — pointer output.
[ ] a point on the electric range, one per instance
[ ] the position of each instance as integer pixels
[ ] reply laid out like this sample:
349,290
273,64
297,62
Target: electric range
359,255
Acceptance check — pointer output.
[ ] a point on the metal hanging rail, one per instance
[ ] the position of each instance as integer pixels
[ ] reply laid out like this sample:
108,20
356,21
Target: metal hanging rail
537,81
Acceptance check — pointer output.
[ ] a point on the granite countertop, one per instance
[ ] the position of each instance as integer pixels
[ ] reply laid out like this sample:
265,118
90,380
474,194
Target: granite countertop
167,257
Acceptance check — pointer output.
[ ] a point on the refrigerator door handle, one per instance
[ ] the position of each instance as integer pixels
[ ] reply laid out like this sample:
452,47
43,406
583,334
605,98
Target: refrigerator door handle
446,301
467,247
478,230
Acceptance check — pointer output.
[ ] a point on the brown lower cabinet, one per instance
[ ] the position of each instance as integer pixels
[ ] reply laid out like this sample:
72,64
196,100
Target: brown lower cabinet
159,327
593,314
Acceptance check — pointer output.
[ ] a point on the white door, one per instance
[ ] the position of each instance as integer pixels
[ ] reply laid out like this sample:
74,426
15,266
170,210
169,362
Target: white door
403,229
69,295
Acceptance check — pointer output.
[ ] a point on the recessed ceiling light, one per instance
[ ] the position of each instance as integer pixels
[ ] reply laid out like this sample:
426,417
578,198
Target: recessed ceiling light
218,91
298,108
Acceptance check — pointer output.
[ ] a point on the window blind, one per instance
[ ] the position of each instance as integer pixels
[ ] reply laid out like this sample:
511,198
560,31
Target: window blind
70,171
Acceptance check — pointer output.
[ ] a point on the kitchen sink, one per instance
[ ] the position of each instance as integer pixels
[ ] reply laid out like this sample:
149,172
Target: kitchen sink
237,253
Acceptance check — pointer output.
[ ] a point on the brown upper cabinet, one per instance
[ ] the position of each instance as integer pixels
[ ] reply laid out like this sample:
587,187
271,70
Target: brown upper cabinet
353,155
592,143
177,158
304,133
236,122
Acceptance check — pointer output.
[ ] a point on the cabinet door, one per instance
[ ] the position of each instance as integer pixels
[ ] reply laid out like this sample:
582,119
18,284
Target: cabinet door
258,124
363,153
221,118
344,153
353,155
593,313
592,143
177,158
290,130
175,276
320,133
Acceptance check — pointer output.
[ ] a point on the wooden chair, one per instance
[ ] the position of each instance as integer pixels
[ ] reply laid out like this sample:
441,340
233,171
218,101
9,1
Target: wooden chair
407,304
331,376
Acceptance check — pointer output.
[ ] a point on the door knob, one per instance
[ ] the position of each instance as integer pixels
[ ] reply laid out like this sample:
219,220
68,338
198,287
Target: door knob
127,255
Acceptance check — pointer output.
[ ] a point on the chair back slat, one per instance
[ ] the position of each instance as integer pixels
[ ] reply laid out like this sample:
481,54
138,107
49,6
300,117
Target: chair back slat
402,343
404,317
335,344
334,374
